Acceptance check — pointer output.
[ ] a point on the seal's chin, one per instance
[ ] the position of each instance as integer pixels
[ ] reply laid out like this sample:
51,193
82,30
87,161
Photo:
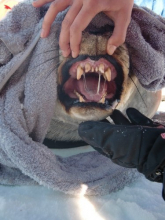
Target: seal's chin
91,81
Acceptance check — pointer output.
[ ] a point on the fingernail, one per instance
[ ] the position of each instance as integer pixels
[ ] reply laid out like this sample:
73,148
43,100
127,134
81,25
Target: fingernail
43,33
74,54
111,49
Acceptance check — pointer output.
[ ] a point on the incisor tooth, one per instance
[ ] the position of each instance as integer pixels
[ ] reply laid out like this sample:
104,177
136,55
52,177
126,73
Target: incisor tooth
101,68
87,67
108,74
81,99
92,69
96,69
79,72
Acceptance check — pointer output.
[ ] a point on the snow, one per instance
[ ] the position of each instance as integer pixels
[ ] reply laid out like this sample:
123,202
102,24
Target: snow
140,200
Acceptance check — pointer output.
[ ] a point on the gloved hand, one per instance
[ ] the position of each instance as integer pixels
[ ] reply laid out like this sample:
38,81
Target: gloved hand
138,143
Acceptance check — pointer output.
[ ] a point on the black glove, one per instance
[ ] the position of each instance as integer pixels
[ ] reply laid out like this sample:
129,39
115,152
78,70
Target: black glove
136,144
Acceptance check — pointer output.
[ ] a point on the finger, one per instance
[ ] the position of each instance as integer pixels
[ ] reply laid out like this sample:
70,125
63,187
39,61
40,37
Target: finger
80,23
55,7
137,118
40,3
64,40
119,118
119,33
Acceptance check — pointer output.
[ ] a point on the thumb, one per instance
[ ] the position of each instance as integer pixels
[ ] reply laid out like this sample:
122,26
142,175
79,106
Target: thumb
119,33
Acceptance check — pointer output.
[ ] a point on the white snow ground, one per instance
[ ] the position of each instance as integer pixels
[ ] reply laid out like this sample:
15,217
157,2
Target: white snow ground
140,200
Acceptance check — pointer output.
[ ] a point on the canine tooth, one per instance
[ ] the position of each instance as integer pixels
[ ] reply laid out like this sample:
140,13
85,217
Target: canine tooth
79,72
81,99
104,76
101,68
102,100
108,74
87,67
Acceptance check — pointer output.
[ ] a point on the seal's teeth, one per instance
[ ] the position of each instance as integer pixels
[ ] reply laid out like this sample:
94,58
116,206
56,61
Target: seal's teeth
81,99
92,70
96,69
104,76
108,74
102,100
80,72
87,67
101,68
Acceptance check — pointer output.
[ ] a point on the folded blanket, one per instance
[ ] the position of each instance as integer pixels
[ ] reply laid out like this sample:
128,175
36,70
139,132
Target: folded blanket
28,95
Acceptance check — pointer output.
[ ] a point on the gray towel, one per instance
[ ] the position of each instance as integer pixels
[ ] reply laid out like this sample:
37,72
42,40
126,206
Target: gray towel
28,95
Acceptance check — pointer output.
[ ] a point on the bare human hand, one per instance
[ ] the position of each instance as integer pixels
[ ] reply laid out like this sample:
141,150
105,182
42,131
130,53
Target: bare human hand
79,16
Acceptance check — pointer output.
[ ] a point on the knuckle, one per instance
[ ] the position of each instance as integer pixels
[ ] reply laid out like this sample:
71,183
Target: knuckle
73,29
66,23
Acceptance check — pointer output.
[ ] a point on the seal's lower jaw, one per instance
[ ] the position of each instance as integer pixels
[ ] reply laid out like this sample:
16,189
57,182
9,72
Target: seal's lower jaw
90,86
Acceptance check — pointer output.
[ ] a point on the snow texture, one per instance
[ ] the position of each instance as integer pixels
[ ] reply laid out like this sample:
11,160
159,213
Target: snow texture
141,200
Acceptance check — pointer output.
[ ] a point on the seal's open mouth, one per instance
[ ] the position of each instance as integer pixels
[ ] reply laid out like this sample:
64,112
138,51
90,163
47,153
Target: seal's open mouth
95,80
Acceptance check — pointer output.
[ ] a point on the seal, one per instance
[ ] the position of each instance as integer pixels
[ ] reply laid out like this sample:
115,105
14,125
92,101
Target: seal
92,85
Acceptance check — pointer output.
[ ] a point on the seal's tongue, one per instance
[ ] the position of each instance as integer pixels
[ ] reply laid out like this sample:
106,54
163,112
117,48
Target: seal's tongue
93,87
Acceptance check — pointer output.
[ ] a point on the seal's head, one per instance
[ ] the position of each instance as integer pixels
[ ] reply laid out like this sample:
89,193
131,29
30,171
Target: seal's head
91,85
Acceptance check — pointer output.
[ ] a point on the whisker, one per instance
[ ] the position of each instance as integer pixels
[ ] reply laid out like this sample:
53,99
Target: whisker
85,84
98,86
54,68
47,51
138,90
43,63
140,73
